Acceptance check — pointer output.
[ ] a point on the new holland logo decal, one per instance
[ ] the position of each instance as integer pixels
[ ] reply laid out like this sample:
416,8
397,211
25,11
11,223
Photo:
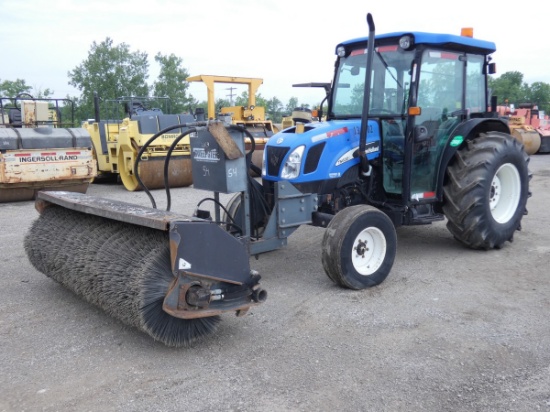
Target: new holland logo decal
372,147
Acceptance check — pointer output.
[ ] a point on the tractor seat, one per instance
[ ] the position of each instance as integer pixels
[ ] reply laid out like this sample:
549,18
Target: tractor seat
394,148
14,116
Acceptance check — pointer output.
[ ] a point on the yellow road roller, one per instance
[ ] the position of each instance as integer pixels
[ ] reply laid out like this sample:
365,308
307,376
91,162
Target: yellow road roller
40,149
130,124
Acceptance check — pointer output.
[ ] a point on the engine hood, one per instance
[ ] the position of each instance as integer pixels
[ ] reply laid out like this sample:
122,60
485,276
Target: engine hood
329,149
315,132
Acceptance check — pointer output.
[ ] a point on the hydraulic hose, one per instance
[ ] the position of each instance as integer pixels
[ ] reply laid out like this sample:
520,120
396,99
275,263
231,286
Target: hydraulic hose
145,147
167,164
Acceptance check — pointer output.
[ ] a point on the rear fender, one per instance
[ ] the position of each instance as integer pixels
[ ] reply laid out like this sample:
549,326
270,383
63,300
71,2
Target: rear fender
467,130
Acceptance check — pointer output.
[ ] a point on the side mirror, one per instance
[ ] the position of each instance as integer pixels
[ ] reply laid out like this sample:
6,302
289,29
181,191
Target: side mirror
420,134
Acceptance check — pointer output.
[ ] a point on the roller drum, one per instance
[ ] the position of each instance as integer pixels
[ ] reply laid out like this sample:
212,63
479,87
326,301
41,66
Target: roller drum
17,193
151,172
530,139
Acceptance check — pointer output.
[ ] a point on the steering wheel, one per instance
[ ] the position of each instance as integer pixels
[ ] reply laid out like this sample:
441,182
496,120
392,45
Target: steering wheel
379,110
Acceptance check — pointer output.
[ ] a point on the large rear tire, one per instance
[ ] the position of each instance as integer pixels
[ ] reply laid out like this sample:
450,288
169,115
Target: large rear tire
359,247
486,192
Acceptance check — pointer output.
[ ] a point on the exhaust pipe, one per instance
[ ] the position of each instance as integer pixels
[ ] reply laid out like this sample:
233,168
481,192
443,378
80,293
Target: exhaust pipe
96,107
366,98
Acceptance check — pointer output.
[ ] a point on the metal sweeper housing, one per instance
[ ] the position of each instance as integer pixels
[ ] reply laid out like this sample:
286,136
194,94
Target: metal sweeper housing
167,274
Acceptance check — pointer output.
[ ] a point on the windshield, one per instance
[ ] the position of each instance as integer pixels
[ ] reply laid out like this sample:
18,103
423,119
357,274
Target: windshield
390,82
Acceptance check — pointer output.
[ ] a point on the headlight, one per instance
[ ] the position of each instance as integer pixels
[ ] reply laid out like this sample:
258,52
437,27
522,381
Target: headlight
406,42
341,51
291,169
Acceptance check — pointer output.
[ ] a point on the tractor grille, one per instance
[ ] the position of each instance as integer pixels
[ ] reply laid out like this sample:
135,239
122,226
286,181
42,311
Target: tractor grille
313,156
275,156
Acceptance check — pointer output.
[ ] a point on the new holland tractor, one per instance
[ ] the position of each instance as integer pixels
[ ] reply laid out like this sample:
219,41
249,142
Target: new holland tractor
408,140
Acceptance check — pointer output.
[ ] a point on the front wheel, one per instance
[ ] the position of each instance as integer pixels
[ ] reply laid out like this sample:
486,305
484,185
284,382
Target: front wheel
487,190
359,247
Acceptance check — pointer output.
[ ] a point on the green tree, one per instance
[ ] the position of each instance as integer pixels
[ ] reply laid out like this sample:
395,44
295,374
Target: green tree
539,94
222,103
291,105
113,71
242,100
172,83
509,88
42,94
274,108
9,88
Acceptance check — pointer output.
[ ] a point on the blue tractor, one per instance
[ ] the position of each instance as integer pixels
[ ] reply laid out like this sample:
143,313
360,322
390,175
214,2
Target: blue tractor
411,137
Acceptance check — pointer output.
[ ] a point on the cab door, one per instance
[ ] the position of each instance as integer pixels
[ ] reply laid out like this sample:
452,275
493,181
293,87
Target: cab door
440,97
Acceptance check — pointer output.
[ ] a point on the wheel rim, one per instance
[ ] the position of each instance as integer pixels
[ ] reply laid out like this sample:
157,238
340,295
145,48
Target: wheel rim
369,250
505,193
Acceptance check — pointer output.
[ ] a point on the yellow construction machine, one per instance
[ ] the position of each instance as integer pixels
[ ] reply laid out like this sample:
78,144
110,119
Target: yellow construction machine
529,126
118,143
304,115
299,115
40,149
251,117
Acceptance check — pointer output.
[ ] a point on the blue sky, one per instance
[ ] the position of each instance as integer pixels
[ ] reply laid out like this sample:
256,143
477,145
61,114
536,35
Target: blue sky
281,41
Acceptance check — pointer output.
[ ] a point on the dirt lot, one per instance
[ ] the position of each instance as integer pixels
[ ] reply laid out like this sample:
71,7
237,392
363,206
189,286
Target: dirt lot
451,329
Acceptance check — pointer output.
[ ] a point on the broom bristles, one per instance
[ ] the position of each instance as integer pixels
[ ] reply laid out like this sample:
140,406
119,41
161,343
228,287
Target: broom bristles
122,268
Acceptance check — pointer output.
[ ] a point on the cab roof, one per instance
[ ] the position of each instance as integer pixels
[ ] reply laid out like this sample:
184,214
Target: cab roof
448,41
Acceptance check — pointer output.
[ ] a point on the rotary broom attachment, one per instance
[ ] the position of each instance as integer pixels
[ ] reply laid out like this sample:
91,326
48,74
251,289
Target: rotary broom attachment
151,270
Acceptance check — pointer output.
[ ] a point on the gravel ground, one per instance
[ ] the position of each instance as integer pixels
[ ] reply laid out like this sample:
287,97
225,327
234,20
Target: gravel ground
451,329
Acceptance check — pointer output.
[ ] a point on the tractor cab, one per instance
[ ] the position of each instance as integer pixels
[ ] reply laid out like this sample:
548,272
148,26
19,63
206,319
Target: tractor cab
399,109
422,86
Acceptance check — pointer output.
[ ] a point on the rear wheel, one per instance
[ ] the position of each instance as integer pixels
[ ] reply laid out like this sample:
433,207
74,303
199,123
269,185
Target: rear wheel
487,190
359,247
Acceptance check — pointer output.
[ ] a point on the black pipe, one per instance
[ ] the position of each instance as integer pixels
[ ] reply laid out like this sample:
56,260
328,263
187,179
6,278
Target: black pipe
96,107
366,97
